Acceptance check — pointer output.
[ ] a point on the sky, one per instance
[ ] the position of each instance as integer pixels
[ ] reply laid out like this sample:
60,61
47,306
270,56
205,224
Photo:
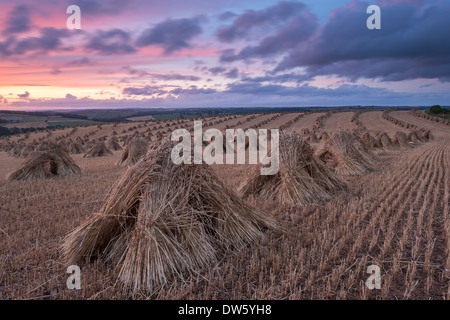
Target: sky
223,53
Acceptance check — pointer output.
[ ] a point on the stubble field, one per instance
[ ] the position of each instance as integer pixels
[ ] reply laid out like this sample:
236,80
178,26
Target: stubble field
395,217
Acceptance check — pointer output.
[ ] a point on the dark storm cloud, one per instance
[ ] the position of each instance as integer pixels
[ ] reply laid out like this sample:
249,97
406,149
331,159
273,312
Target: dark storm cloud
281,78
217,70
232,74
155,90
173,76
98,7
193,90
49,40
304,90
172,34
142,91
227,15
111,42
24,95
80,62
412,43
250,19
227,73
18,20
70,97
297,30
158,76
6,47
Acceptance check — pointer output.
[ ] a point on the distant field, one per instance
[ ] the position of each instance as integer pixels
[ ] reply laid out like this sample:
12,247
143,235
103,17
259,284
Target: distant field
20,117
143,118
30,124
24,121
167,116
59,121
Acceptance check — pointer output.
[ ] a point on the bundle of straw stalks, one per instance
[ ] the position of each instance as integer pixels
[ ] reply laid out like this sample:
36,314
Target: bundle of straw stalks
419,136
133,152
426,134
385,141
400,140
26,151
369,141
62,144
359,145
98,150
301,178
76,148
90,143
346,155
47,161
412,136
324,136
163,221
15,150
312,138
113,144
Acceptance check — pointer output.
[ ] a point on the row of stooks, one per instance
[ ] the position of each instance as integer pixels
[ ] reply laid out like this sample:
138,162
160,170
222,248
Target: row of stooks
163,221
91,148
423,115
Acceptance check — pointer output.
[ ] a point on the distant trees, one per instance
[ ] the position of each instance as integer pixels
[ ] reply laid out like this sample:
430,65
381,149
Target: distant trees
10,131
4,131
437,109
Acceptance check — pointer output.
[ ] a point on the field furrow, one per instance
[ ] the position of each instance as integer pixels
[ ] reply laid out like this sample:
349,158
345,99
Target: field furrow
306,122
437,128
339,121
374,122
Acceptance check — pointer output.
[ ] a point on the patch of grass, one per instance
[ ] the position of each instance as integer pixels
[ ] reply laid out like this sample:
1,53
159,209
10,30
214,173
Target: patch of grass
444,116
70,122
170,116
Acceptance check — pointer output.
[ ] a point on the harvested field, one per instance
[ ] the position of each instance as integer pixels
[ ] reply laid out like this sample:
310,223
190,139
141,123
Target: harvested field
375,123
437,128
31,124
142,118
305,122
396,217
340,121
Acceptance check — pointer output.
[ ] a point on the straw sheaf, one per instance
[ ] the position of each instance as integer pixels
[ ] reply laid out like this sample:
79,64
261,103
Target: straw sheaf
385,141
400,140
346,154
369,141
76,148
113,144
301,178
133,152
162,221
48,161
98,150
